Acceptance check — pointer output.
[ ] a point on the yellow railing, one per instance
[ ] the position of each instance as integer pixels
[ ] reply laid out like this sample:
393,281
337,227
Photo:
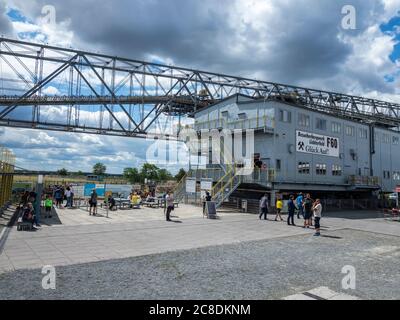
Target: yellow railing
7,162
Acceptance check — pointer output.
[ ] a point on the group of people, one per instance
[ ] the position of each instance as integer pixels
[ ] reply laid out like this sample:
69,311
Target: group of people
305,207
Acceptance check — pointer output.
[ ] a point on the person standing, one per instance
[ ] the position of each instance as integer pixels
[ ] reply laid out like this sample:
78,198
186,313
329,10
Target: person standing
299,203
264,207
93,202
279,206
207,198
58,196
68,195
317,210
291,211
169,200
72,195
48,206
307,206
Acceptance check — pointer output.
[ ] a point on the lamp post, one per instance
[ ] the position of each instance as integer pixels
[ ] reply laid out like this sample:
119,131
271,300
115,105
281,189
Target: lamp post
39,190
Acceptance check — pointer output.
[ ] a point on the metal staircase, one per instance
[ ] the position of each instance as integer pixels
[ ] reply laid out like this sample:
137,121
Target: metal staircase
226,186
180,190
226,183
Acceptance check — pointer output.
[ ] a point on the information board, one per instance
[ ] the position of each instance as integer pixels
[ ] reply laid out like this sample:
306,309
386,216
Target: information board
211,209
190,186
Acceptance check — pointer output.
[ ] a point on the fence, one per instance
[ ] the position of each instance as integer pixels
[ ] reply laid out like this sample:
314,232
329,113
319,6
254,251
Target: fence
7,162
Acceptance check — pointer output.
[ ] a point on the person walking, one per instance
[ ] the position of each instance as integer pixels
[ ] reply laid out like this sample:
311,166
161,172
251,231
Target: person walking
264,207
169,200
317,211
93,203
291,210
307,206
299,203
279,206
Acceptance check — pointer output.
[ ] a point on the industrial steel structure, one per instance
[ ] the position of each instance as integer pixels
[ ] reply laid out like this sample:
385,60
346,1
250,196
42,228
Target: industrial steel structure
54,88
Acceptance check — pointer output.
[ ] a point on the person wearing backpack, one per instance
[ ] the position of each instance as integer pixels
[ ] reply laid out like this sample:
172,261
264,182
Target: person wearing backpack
93,202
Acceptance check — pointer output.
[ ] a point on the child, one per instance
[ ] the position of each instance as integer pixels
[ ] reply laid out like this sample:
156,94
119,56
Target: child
48,205
317,210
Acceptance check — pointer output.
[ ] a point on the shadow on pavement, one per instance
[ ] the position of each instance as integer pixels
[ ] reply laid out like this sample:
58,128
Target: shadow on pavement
354,215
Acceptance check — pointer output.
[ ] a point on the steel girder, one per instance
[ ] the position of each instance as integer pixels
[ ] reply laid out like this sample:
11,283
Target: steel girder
100,80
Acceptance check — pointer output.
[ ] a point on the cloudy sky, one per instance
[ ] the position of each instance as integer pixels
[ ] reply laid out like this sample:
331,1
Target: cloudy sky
299,42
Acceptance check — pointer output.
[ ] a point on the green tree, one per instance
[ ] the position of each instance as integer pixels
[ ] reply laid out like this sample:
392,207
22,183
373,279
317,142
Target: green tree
99,169
62,172
149,171
180,174
164,175
132,175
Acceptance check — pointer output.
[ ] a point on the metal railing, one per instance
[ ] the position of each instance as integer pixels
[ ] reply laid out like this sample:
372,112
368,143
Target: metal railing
251,123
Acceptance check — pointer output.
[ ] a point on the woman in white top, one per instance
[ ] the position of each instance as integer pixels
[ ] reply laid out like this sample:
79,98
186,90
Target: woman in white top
317,211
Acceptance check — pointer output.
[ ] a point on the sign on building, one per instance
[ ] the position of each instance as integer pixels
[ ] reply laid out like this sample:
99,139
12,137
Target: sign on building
190,185
307,142
205,185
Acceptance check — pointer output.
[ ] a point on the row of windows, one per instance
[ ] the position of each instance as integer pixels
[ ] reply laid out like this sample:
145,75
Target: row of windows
320,169
396,175
304,120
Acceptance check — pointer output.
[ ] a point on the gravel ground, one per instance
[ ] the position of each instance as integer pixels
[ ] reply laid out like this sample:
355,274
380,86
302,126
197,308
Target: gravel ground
269,269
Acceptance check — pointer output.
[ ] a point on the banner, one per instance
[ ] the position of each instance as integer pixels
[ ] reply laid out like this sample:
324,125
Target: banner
312,143
190,185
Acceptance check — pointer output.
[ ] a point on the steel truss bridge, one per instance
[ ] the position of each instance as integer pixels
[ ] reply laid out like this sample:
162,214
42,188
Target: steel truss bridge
54,88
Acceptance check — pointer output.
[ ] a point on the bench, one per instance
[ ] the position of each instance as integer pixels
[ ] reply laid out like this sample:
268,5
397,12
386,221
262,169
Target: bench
24,225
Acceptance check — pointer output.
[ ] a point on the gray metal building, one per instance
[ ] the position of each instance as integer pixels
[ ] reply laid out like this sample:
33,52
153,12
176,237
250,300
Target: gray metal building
300,149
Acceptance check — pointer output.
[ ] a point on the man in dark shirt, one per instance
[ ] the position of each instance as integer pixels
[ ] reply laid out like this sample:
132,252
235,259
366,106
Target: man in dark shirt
307,205
291,211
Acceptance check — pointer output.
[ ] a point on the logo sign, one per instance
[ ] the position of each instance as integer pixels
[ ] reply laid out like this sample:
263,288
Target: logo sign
312,143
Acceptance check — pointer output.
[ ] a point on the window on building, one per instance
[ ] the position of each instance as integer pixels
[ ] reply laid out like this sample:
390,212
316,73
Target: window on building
336,170
304,120
336,127
242,116
385,138
386,174
363,133
320,124
225,114
278,165
303,167
321,169
285,116
396,175
395,140
350,131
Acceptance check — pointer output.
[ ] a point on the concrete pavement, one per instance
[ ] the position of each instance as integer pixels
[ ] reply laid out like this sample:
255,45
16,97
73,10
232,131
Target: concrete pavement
75,237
